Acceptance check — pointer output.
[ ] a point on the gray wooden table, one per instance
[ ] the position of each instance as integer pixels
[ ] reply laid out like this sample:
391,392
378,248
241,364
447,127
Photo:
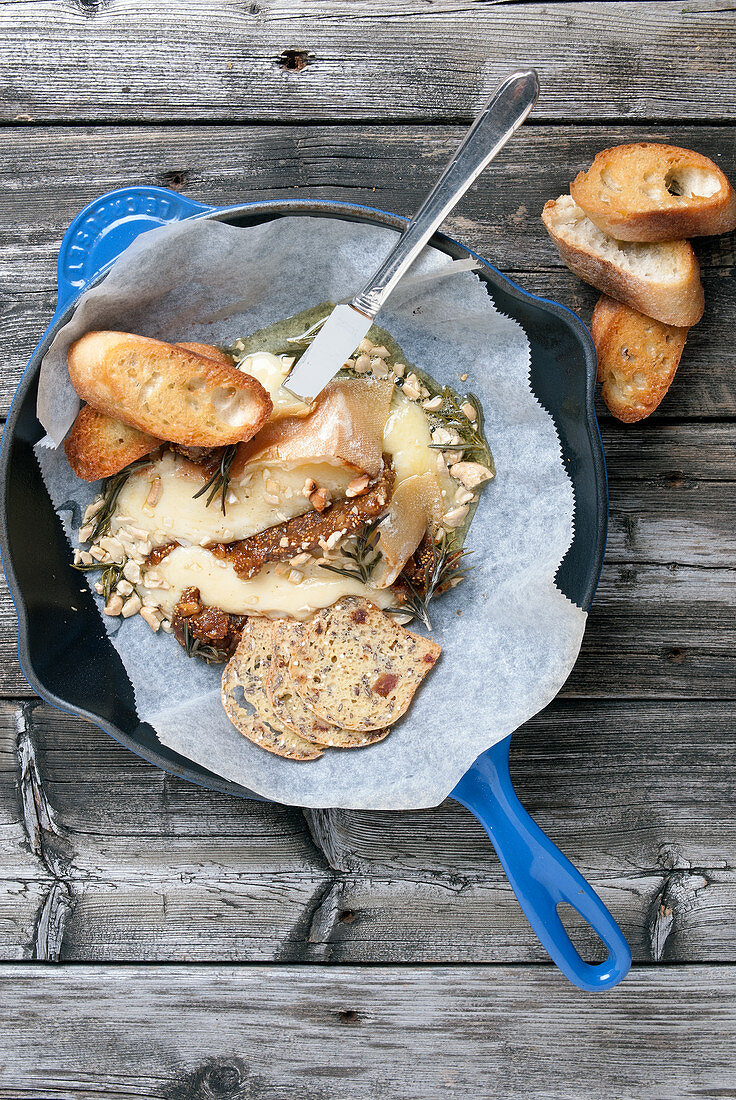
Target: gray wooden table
159,940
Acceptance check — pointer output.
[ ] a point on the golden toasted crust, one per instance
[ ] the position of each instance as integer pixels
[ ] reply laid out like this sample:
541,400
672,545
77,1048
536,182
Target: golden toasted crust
167,391
248,670
650,192
661,280
208,350
290,708
355,667
637,358
99,446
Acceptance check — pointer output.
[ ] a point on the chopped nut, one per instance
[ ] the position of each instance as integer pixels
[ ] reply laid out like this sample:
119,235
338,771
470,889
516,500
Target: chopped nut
132,571
114,605
441,463
411,390
131,606
97,553
296,576
150,616
85,532
380,352
455,517
231,497
150,601
99,588
379,368
301,559
283,541
113,547
320,499
138,533
423,391
271,486
166,626
124,588
152,579
445,435
309,486
332,540
357,486
464,496
144,548
270,498
463,377
362,364
399,369
433,404
471,474
92,509
154,493
365,345
78,557
470,410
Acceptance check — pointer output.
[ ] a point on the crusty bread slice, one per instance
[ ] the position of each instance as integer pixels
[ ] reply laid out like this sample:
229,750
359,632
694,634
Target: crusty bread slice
649,192
208,350
247,671
290,708
637,358
99,446
357,668
660,280
167,391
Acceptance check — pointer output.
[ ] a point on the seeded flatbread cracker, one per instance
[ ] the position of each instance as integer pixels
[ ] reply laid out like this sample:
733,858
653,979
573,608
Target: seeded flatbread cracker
355,667
290,708
248,670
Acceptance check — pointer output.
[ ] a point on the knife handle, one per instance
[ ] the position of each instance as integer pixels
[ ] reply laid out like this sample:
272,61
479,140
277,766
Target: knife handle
500,118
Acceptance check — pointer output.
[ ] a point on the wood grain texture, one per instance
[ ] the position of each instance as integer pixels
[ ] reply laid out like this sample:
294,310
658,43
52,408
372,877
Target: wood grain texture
388,167
133,864
395,59
188,1033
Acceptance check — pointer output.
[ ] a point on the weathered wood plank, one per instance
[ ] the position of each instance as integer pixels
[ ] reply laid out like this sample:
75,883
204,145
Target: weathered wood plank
394,59
409,1033
137,865
374,165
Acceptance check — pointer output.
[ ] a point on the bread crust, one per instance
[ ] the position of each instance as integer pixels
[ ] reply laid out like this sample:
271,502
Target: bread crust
637,358
167,391
99,446
677,301
208,350
651,192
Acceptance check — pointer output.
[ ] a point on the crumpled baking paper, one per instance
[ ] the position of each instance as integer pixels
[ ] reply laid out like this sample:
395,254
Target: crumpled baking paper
509,637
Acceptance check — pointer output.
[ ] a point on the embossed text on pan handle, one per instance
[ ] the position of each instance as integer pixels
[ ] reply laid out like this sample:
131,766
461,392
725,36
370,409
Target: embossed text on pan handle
500,118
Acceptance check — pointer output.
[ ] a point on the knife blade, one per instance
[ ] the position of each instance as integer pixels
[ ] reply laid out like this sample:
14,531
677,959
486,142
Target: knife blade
348,324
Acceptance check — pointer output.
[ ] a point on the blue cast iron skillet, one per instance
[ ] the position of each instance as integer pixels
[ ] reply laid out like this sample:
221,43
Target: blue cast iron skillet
66,656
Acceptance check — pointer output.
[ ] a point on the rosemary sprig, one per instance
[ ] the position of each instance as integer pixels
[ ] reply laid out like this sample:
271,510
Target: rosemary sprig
219,483
111,489
195,647
470,432
111,574
443,570
366,555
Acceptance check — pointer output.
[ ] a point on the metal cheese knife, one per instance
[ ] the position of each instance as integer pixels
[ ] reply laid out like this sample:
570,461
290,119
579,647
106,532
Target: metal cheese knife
348,324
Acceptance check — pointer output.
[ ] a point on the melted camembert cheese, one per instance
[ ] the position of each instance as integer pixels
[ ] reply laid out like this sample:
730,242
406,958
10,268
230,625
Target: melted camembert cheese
268,593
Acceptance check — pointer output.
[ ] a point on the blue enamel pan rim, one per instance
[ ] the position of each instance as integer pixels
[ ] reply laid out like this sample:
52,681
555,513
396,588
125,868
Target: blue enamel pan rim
68,294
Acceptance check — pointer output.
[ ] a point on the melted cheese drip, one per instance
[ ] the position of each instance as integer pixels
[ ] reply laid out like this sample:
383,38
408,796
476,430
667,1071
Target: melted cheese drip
407,437
268,593
178,517
271,372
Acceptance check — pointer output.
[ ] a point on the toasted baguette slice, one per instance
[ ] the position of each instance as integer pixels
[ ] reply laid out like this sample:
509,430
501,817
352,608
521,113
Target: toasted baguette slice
660,280
648,192
637,358
99,446
208,350
169,392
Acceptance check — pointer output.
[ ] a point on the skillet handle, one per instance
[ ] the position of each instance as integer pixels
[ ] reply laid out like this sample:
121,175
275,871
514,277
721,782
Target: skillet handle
106,227
540,875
